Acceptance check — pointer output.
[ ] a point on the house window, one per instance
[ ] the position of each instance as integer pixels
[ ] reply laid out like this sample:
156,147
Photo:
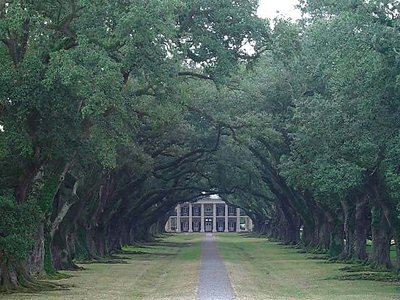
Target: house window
185,226
220,211
208,210
232,226
184,211
196,211
232,211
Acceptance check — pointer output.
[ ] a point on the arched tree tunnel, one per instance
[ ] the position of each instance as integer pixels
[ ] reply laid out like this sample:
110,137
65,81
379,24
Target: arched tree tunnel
113,112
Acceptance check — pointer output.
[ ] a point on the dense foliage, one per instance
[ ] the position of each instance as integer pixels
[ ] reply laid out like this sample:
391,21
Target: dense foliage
112,112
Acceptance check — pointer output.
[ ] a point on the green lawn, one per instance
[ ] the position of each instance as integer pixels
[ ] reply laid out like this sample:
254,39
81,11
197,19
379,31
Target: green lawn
167,269
260,269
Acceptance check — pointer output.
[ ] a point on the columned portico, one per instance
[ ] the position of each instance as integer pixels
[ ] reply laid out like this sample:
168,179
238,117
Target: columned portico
238,220
178,218
202,218
226,219
214,218
190,218
209,214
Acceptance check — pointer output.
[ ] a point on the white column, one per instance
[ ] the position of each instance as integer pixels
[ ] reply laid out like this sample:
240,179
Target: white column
178,218
190,218
202,218
237,219
226,218
250,224
214,217
167,225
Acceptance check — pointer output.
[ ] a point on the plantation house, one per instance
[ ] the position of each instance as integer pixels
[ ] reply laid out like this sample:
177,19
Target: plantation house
209,214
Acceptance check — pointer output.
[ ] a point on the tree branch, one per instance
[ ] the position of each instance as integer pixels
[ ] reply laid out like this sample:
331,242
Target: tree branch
195,75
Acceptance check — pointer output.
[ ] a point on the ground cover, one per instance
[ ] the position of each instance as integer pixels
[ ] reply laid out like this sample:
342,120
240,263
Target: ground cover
261,269
165,269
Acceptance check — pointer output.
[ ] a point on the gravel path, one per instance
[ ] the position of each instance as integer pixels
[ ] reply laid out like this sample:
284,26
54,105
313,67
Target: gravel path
214,282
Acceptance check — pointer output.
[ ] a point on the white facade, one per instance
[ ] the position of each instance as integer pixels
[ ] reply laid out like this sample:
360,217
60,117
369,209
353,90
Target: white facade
209,214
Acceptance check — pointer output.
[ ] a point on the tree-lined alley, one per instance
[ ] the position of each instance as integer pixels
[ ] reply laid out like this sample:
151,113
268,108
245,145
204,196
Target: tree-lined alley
112,112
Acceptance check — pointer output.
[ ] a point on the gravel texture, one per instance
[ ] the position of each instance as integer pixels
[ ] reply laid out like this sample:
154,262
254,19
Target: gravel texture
214,282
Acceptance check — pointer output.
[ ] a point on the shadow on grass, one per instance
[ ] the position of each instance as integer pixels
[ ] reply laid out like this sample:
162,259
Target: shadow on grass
37,287
250,235
141,256
112,259
352,271
141,253
371,276
125,256
151,250
168,244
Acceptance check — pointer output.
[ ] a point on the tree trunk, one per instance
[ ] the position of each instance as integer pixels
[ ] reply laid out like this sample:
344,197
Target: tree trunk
8,280
308,237
14,276
101,242
348,211
390,212
396,238
336,239
116,238
361,228
324,235
62,249
34,263
380,250
313,225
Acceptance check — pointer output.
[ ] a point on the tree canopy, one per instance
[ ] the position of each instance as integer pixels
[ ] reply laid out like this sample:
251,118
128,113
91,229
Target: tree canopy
113,112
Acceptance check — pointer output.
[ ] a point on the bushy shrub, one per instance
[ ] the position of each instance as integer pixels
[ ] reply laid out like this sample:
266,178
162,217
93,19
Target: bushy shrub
17,225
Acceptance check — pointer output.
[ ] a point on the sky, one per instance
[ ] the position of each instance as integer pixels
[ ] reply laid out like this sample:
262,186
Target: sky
272,8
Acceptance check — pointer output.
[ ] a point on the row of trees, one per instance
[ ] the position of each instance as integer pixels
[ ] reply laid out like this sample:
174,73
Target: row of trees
99,137
112,112
320,134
